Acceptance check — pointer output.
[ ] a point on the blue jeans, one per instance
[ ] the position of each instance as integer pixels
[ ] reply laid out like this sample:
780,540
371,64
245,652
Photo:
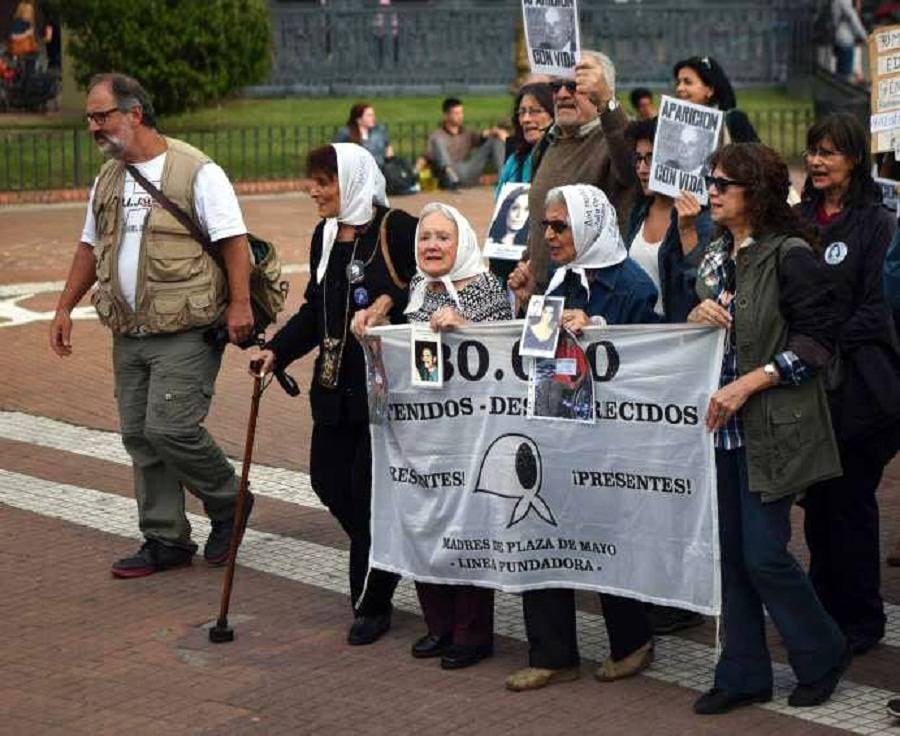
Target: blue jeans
758,570
844,56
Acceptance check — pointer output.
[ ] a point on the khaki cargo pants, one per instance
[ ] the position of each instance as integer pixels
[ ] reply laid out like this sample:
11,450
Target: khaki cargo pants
164,385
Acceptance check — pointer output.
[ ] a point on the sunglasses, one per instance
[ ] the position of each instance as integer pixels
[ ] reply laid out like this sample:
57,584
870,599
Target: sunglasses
637,159
557,226
721,183
557,84
100,116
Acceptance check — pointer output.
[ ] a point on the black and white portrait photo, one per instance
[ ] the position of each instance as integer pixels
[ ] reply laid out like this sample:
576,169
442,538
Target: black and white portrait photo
552,37
541,330
508,232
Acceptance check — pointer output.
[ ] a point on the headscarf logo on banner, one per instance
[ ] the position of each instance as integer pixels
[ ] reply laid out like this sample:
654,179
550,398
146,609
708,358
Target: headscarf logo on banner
512,468
468,261
361,185
595,230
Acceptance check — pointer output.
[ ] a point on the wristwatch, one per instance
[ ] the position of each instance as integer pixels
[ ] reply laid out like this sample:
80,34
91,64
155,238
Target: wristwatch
771,370
611,104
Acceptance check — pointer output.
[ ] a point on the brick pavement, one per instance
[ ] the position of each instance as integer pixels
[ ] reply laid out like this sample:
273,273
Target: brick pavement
94,655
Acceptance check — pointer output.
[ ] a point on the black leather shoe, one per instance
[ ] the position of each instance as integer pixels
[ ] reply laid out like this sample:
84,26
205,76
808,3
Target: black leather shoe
860,643
153,556
718,701
461,655
893,707
368,629
219,541
818,691
666,620
431,645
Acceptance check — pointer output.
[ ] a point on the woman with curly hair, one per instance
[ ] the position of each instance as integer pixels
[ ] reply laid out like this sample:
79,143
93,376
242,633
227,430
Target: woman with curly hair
762,282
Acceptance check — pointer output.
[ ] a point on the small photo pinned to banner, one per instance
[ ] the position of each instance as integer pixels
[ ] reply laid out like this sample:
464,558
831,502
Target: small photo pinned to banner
426,366
541,329
686,136
376,379
561,387
552,37
508,232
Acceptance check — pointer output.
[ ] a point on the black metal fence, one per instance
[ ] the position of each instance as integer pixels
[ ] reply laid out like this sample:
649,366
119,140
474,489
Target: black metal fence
63,159
468,45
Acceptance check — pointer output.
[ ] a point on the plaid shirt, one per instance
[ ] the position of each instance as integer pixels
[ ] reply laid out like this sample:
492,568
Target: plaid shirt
719,272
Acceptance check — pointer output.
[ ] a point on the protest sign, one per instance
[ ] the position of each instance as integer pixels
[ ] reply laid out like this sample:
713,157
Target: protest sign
888,193
551,35
467,490
884,70
560,388
686,136
508,232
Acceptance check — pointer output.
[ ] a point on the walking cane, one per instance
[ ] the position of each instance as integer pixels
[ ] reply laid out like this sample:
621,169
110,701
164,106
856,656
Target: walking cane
222,632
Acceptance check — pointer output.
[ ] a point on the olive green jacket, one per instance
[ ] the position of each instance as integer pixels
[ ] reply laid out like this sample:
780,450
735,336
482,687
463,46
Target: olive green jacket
790,443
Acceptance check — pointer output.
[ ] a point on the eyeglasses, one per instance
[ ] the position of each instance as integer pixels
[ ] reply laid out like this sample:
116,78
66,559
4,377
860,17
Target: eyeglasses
820,152
557,226
646,158
557,84
100,116
533,111
721,183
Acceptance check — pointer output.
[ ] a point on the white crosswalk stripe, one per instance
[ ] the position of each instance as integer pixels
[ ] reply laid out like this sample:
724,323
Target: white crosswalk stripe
856,708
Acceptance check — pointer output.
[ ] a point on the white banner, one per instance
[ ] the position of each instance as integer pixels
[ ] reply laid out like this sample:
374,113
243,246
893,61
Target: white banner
467,490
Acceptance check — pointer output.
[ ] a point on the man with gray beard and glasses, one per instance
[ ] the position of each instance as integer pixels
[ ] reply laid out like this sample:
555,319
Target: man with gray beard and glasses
160,293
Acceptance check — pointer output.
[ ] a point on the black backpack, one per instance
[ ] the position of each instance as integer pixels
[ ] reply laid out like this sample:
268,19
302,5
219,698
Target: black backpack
399,176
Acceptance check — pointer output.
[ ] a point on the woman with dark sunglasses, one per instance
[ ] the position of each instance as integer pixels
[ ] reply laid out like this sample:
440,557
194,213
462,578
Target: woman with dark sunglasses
667,237
842,201
762,282
600,284
703,81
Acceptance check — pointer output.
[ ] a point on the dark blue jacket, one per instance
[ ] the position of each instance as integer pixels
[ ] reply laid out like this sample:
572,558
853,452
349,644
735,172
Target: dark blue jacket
622,294
892,274
677,272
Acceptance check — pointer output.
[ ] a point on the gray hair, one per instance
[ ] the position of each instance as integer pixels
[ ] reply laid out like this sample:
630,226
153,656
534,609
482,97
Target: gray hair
128,94
432,207
556,196
609,69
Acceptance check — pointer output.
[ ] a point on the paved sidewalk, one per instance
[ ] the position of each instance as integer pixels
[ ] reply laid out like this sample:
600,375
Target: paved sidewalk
87,654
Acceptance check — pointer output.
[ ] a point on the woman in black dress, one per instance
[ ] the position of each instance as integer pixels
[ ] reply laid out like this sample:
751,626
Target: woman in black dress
362,258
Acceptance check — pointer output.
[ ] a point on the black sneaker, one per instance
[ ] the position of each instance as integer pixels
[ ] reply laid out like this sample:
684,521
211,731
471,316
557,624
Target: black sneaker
818,691
368,629
153,556
219,541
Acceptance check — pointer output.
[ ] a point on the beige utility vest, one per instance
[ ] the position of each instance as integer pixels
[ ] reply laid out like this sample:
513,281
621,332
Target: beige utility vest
179,286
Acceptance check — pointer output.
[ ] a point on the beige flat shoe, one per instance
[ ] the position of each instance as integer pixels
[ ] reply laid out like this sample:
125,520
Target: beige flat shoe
634,663
534,678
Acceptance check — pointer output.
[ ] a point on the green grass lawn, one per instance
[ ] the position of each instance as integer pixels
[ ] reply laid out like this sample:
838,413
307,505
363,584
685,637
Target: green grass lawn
333,111
269,138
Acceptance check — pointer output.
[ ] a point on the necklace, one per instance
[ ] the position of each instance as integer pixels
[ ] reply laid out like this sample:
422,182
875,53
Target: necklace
331,351
356,269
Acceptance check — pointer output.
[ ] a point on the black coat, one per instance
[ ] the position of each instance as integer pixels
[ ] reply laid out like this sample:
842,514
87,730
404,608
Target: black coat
306,329
865,380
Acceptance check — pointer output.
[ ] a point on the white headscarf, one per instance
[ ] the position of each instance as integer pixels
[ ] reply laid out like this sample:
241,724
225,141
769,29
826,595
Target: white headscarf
360,184
468,262
598,243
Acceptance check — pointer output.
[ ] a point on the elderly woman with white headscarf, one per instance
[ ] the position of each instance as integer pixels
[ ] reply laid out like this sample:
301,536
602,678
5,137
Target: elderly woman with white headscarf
600,283
361,259
452,287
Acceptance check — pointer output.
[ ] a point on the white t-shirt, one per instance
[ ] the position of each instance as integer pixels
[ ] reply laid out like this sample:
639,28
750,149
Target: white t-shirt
647,256
215,203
